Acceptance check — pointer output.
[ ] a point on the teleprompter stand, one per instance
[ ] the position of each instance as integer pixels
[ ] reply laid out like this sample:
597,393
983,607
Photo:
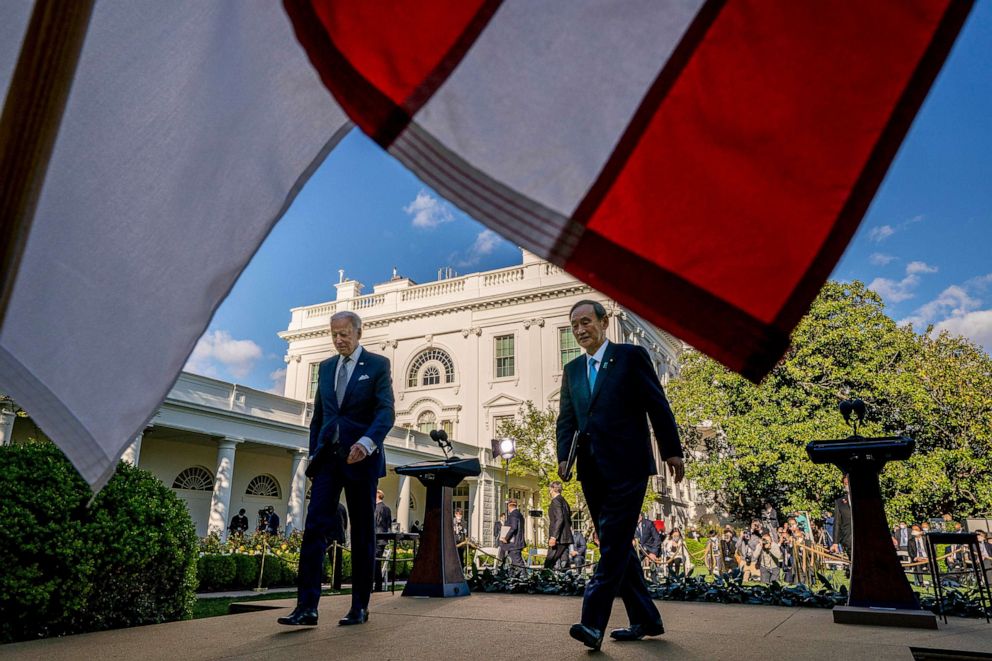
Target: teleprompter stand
437,570
880,592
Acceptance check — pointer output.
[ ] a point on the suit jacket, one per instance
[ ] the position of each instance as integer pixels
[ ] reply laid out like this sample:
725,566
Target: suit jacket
843,524
515,538
367,410
613,419
383,518
560,515
579,543
917,547
648,537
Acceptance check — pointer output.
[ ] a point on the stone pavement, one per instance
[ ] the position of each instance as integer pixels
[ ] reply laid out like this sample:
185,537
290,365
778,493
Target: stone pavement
517,627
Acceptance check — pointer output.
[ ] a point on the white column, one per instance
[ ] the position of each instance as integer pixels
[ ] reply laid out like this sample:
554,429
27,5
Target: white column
133,451
475,519
220,502
403,506
297,492
7,417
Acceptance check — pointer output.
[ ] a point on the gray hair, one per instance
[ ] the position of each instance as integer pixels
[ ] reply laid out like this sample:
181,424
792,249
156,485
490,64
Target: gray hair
356,321
555,486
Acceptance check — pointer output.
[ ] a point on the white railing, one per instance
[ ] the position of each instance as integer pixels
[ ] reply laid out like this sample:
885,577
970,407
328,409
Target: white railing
502,277
434,289
370,301
322,310
551,269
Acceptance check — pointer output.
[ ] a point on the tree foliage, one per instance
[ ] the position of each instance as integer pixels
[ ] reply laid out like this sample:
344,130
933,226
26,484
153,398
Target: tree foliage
935,388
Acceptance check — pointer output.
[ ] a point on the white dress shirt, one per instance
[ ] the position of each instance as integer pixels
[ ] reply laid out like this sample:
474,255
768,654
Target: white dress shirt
349,368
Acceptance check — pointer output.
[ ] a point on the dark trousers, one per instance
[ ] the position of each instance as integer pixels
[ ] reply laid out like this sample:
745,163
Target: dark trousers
516,562
614,509
324,523
555,554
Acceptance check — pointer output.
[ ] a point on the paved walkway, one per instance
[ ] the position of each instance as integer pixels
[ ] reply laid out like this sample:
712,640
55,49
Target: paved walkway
518,627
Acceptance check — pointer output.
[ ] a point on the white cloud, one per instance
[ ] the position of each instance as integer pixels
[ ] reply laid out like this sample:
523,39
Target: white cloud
879,234
217,352
427,212
278,381
976,326
919,267
485,242
881,259
896,291
953,302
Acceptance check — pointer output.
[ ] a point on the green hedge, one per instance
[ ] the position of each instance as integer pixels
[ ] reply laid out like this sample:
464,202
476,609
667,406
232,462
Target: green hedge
240,572
128,558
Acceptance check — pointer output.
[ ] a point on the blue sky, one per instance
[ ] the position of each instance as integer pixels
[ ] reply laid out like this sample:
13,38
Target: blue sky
925,243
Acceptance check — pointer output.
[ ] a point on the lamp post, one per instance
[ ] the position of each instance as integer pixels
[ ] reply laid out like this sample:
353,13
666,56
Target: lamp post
506,449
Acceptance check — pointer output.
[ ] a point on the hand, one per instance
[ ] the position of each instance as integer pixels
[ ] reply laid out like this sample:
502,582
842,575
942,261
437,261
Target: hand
676,466
573,553
561,471
503,540
551,542
652,557
833,548
358,452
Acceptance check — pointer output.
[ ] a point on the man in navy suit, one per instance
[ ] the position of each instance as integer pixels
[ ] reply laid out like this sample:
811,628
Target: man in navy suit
514,538
607,397
352,413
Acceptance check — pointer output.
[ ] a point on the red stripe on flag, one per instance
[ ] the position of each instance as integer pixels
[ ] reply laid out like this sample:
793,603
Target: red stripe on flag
383,60
742,182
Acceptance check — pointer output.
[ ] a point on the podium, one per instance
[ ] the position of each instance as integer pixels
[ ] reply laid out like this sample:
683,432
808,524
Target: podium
437,569
880,592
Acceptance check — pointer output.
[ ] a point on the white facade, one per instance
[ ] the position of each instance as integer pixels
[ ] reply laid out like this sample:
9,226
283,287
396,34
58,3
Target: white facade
468,350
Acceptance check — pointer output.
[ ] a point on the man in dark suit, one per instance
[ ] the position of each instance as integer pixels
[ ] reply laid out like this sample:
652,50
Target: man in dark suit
559,528
607,396
647,537
577,552
352,413
843,524
514,539
383,524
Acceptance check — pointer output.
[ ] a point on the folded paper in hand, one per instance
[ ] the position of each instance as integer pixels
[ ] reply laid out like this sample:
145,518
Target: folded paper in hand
570,462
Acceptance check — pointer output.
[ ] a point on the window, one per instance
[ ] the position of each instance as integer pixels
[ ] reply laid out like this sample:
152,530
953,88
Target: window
504,356
426,422
195,478
501,422
567,346
312,385
263,485
432,376
427,368
459,500
449,428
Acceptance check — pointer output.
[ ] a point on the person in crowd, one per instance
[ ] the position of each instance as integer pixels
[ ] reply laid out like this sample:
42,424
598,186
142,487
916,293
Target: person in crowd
239,523
769,560
600,411
769,519
788,564
577,551
514,538
711,554
902,536
828,529
728,551
383,524
460,529
647,538
918,553
693,533
843,524
676,554
272,523
497,534
747,548
415,528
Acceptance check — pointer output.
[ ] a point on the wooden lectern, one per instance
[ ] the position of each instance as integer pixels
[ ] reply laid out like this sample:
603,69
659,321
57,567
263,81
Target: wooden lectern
880,592
437,569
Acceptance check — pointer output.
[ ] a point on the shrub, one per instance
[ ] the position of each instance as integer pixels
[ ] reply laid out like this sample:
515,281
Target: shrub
246,570
217,572
127,559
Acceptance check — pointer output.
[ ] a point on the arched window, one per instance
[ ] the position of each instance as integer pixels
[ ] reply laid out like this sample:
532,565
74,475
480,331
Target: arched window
426,422
263,485
194,478
427,369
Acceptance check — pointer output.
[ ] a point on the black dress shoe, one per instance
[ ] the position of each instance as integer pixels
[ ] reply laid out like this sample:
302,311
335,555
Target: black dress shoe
586,635
355,616
637,631
300,617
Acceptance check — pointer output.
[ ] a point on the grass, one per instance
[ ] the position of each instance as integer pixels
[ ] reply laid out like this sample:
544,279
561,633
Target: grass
214,606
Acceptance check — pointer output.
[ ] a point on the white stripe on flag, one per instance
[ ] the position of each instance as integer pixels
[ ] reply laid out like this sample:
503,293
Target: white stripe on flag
189,130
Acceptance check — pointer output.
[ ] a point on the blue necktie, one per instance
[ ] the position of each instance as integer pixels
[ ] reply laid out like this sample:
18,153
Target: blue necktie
592,374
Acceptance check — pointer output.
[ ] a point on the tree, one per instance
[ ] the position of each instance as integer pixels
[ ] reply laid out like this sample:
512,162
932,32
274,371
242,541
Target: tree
935,388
